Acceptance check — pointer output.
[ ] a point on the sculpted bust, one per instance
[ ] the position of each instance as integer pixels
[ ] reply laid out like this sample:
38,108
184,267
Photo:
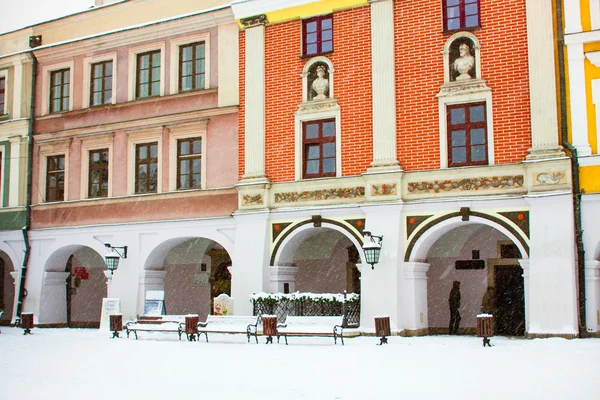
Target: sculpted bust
464,63
320,85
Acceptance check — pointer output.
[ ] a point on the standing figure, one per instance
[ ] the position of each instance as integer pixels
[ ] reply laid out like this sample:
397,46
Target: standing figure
321,84
454,302
464,63
487,305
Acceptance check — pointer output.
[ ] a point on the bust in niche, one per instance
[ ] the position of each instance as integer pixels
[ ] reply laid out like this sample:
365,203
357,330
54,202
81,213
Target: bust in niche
320,85
464,63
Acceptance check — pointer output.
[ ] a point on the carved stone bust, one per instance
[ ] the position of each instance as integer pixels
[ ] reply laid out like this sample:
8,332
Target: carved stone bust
464,63
320,85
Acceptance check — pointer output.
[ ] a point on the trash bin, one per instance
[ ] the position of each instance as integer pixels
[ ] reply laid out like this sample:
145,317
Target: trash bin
116,324
27,323
382,328
191,326
485,328
269,327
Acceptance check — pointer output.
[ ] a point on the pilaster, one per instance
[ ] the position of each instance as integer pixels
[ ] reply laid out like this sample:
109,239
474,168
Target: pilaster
415,296
542,86
54,293
16,179
254,106
280,275
578,101
384,95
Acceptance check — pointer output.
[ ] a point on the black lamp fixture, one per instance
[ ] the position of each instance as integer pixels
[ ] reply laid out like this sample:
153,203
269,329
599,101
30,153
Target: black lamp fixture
112,261
372,248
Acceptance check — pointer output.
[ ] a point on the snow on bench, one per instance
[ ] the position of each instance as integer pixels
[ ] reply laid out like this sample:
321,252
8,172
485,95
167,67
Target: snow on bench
157,323
230,324
312,326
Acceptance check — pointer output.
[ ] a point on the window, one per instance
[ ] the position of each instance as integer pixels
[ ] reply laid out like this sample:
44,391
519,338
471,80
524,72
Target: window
460,14
467,136
2,95
317,35
98,173
192,66
189,163
59,90
55,178
319,148
101,83
148,74
146,167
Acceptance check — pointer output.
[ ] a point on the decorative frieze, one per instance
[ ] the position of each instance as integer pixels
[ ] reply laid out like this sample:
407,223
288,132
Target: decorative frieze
322,194
252,199
384,189
550,178
466,184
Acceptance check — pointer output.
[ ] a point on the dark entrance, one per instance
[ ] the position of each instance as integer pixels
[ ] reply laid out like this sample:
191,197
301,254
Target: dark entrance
510,300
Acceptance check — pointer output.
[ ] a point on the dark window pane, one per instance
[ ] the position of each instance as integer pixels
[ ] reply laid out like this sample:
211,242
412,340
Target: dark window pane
311,27
472,21
197,147
478,136
477,153
328,129
459,138
328,165
326,47
313,152
312,167
311,49
459,155
328,149
471,9
477,113
326,24
457,116
311,38
312,131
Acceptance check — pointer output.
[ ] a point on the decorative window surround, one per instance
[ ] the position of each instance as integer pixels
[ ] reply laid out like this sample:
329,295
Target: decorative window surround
70,65
95,142
4,74
53,148
137,136
184,131
174,60
133,52
87,69
304,75
313,111
463,91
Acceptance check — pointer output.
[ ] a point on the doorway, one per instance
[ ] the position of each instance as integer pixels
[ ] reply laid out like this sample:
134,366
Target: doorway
510,300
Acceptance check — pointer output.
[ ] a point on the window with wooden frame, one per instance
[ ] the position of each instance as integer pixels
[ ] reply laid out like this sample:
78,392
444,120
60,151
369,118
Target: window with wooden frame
98,173
101,83
189,163
317,35
467,134
59,90
460,14
146,167
2,95
55,178
147,74
192,61
318,142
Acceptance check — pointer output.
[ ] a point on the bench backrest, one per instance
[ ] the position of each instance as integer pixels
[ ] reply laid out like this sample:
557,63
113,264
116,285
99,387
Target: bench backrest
159,319
231,320
328,321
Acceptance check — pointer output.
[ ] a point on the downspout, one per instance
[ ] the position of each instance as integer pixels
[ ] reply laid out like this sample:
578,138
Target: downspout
25,229
577,192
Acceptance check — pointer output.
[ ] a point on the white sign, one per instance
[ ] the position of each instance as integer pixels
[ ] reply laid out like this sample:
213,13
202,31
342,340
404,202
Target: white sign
109,307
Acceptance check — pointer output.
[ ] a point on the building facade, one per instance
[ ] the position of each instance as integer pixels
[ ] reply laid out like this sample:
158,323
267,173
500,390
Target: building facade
582,60
431,124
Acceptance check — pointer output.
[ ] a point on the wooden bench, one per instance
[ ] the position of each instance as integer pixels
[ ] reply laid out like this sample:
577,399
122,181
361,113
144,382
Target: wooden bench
312,326
230,324
157,323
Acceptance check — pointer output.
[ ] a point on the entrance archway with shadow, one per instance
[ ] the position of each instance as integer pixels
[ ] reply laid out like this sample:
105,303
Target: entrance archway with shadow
191,271
7,289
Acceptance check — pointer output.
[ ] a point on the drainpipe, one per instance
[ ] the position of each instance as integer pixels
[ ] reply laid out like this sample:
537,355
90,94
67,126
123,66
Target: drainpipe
25,229
577,192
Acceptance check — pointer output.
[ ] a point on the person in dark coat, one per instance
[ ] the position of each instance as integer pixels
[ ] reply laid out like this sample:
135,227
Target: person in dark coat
487,305
454,302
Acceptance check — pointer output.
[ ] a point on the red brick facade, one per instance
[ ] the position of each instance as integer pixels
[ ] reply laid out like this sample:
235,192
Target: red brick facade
419,42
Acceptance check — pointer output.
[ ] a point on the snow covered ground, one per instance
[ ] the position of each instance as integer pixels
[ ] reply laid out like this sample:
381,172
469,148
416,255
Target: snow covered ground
63,364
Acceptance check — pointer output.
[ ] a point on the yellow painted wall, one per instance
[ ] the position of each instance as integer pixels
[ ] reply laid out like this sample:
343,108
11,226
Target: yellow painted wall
317,7
591,72
589,178
586,20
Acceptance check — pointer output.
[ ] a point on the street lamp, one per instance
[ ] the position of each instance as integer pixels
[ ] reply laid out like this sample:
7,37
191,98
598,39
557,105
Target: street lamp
112,261
372,248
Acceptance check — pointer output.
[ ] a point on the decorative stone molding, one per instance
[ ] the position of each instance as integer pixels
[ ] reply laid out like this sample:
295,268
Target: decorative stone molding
384,189
550,178
251,199
467,184
254,20
323,194
463,87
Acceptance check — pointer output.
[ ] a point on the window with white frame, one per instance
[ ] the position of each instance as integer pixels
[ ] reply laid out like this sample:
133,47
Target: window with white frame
146,71
189,63
54,170
187,149
96,165
100,80
145,161
57,87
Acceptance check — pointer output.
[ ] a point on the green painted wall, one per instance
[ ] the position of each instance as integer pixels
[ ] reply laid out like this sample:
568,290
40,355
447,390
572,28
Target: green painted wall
12,220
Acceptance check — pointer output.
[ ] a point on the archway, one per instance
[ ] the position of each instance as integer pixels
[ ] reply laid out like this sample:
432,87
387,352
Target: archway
478,256
7,289
190,271
73,289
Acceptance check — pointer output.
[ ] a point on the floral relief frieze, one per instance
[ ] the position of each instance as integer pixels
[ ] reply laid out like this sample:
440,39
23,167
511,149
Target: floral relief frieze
467,184
322,194
383,189
550,178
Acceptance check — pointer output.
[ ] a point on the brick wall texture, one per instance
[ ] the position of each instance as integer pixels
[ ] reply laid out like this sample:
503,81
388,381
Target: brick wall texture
419,42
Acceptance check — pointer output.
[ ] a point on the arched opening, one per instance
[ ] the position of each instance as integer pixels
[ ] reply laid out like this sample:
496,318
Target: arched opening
7,289
190,272
478,256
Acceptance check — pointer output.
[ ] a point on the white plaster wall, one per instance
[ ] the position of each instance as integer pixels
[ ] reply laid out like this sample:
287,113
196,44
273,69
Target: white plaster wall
590,210
551,292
